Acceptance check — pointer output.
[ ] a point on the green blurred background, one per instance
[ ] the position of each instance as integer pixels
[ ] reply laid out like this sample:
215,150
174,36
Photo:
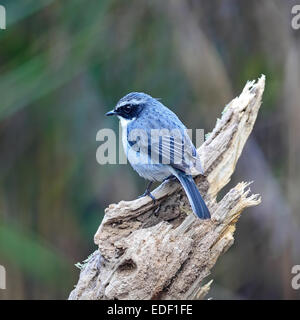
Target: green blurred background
63,64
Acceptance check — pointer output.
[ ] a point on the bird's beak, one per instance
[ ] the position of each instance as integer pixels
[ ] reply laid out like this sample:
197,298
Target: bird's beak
111,113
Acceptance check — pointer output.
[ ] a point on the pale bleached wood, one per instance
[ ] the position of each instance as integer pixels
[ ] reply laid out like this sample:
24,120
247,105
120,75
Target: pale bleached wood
161,251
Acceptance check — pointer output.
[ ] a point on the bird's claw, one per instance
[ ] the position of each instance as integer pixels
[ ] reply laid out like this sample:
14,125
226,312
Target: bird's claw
148,193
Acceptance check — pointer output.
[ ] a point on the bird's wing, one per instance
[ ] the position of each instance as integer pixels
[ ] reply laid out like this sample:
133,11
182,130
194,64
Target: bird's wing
163,146
175,147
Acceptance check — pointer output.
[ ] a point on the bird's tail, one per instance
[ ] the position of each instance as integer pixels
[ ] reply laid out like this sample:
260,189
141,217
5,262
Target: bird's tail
197,203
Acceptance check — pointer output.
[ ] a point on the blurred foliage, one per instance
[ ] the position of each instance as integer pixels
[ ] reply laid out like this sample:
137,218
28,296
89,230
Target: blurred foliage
63,64
36,258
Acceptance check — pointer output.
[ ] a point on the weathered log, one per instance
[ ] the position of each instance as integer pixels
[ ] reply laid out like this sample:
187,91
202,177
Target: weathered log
161,251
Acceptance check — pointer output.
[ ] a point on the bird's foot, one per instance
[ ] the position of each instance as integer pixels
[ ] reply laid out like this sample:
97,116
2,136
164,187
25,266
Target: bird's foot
148,193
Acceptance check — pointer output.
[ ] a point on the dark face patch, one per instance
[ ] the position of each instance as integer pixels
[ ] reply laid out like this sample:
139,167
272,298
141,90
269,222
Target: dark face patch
129,111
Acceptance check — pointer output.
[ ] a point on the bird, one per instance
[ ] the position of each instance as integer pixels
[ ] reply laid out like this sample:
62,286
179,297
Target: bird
158,147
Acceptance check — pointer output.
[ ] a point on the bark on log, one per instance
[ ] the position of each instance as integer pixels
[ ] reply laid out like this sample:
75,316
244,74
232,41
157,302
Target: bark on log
161,251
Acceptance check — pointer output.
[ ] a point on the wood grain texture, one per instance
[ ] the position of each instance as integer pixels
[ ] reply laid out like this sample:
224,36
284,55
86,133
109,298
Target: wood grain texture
161,250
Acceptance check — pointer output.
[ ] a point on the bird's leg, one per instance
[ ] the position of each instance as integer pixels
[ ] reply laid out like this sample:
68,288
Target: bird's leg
148,193
170,178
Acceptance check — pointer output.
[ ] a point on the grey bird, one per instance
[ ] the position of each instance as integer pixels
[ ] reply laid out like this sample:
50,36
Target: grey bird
157,145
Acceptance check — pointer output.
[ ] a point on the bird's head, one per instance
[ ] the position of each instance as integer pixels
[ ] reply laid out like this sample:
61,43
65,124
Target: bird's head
130,106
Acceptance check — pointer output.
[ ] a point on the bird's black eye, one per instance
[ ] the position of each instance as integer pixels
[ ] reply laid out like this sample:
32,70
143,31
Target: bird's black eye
127,108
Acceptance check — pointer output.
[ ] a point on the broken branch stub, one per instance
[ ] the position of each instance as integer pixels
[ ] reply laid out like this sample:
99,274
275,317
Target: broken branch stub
161,251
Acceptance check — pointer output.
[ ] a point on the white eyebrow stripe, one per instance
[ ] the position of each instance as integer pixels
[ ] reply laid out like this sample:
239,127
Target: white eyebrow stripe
133,101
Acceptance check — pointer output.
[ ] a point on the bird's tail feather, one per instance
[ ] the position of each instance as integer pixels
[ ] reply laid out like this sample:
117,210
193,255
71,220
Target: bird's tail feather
197,203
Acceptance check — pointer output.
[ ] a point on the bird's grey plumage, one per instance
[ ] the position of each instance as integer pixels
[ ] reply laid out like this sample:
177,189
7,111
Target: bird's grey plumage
157,144
154,113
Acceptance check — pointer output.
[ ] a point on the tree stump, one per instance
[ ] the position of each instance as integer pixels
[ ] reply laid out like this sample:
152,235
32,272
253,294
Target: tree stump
161,250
